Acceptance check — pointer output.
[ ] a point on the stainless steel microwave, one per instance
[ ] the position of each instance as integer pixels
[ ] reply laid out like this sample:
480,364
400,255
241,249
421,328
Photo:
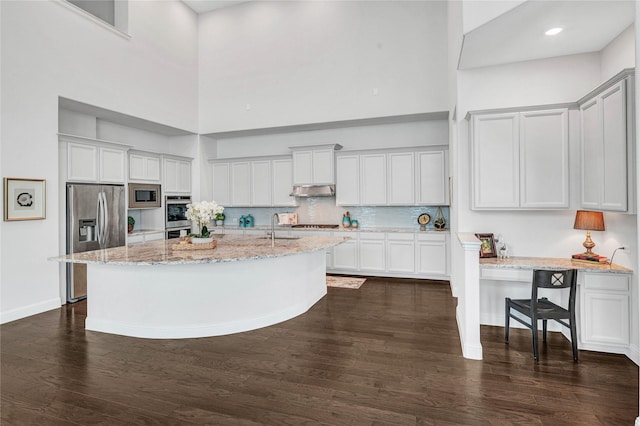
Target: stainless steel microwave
144,195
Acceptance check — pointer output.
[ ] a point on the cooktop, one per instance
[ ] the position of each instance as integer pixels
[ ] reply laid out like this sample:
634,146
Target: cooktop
315,226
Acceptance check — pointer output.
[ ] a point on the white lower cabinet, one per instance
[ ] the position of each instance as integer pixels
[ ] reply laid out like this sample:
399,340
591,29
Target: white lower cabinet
345,255
604,311
372,252
145,237
431,254
392,254
401,253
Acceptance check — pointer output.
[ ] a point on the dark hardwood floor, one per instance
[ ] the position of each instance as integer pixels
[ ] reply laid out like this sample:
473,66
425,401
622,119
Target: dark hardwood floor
386,354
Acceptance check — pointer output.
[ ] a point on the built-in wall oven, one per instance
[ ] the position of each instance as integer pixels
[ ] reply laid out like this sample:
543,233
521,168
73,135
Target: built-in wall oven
176,214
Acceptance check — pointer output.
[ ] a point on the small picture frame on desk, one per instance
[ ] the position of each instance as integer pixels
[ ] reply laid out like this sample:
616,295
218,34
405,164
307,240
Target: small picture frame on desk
487,245
24,199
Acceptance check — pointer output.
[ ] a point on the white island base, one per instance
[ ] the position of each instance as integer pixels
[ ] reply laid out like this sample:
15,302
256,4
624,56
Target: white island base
175,301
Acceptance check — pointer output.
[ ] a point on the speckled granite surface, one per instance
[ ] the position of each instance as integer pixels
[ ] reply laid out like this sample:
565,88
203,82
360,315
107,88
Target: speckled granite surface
550,263
231,248
285,229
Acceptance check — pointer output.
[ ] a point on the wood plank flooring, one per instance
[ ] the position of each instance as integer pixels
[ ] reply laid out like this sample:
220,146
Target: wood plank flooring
386,354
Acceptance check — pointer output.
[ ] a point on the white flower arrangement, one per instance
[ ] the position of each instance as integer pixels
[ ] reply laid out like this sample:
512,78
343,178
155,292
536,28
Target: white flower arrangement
202,213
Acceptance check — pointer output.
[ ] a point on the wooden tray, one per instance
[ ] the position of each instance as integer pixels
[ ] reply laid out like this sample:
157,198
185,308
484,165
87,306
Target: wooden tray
208,246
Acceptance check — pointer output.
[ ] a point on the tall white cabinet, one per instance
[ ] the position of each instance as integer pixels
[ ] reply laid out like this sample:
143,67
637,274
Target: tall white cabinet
607,148
520,160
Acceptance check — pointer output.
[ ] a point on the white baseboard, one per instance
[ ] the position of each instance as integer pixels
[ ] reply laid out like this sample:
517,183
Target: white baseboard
633,353
27,311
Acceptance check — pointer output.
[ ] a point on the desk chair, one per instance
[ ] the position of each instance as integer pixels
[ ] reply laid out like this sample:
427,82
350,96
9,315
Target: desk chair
542,309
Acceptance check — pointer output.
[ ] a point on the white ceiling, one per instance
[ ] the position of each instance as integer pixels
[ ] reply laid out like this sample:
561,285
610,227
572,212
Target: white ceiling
518,35
203,6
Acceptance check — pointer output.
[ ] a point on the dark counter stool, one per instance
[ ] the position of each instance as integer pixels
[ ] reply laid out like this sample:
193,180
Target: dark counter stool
542,309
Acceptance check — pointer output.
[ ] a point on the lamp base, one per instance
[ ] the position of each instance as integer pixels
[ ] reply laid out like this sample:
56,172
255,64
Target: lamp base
589,245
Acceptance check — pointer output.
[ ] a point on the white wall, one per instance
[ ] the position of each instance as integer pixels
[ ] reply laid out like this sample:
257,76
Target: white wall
307,62
49,51
478,12
619,54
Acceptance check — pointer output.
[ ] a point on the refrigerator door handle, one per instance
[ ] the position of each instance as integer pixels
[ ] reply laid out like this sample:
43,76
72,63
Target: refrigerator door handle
100,220
105,208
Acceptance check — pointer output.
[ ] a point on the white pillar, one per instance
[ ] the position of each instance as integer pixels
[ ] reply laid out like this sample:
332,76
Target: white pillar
468,311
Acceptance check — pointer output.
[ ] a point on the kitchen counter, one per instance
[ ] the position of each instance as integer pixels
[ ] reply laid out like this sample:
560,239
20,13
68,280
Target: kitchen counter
231,248
151,290
530,263
412,230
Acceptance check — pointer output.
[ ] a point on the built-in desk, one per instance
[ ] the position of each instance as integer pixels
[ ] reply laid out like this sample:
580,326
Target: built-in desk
602,300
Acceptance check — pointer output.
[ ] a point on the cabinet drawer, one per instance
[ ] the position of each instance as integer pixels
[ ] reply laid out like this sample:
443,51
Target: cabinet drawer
400,237
431,237
371,236
506,274
608,282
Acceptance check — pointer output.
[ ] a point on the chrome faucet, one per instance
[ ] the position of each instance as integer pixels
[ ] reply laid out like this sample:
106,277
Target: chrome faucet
273,229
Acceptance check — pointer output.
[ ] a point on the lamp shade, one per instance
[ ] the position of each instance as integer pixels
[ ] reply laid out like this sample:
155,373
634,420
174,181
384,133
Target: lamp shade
591,221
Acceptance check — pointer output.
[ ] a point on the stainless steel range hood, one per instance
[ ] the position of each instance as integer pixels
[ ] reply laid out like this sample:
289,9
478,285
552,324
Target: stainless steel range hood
303,191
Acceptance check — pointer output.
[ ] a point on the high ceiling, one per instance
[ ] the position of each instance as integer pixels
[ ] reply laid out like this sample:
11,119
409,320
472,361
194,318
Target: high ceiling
202,6
518,35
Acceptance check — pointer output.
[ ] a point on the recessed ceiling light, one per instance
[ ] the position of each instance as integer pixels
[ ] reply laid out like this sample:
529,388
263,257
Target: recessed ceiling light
554,31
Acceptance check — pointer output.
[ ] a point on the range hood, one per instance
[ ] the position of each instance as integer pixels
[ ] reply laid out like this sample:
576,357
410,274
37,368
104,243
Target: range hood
303,191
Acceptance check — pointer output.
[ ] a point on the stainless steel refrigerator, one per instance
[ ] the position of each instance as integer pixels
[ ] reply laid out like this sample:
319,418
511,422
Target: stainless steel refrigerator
96,219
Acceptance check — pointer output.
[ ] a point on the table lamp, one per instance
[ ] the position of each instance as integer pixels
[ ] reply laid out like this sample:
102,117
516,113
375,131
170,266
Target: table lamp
590,221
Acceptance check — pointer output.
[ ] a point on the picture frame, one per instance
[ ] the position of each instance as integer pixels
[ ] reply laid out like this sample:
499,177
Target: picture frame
487,246
24,199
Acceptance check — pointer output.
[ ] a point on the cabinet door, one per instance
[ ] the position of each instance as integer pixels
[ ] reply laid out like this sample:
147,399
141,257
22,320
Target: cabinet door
152,168
302,167
82,163
604,309
432,178
400,169
348,180
112,165
614,159
544,159
156,236
221,184
135,239
372,252
591,155
373,180
184,176
495,161
240,183
323,166
137,167
431,255
282,179
345,255
401,253
261,183
170,175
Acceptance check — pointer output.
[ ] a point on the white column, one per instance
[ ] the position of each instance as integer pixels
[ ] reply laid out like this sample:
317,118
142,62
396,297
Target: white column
468,311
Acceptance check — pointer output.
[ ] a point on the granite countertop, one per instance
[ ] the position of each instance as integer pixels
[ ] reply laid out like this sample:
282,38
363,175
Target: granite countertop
231,248
550,263
412,230
144,232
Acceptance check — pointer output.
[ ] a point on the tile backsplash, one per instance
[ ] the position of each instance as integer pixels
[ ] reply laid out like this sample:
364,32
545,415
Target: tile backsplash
324,210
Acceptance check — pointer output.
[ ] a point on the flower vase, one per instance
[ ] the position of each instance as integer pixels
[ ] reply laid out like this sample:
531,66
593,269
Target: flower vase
219,222
200,240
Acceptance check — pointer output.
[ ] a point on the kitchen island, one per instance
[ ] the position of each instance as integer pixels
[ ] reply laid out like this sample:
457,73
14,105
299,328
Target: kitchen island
155,290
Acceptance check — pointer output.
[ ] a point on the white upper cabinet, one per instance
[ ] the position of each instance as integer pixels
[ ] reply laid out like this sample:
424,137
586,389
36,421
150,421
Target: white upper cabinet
495,157
432,178
373,179
401,178
144,167
607,149
314,165
392,178
544,159
261,183
221,183
282,182
520,160
348,180
241,183
177,175
253,182
94,161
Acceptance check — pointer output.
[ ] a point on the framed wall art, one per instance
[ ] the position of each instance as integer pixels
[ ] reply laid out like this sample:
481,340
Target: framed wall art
487,246
24,199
